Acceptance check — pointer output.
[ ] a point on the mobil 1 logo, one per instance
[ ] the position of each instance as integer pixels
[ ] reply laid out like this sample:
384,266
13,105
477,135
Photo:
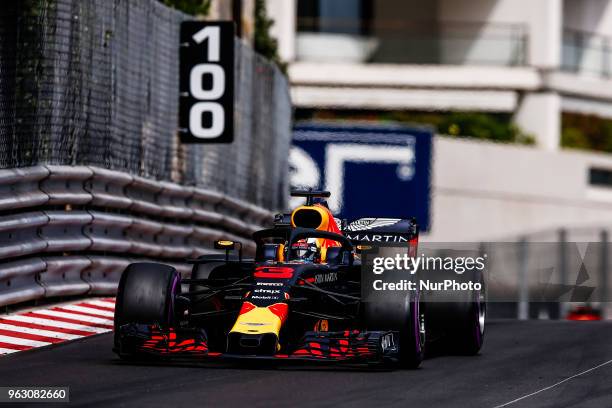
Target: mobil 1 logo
206,113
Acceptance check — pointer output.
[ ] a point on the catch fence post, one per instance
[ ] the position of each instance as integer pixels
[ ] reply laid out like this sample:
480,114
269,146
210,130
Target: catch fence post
603,270
562,269
523,285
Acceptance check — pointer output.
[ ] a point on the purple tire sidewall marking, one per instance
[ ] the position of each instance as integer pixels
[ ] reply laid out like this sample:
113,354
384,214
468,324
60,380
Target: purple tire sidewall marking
171,294
417,325
477,325
478,333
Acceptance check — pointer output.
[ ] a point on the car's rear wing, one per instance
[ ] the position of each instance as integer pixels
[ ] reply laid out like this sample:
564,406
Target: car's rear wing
369,230
381,230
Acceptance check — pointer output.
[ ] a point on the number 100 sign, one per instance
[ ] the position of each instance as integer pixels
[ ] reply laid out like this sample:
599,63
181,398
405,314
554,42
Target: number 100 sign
206,112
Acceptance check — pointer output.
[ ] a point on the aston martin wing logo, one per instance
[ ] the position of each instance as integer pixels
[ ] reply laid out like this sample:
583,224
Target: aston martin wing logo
364,224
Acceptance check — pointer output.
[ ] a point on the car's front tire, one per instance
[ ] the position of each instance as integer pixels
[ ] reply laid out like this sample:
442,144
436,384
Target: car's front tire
401,312
459,317
146,295
466,334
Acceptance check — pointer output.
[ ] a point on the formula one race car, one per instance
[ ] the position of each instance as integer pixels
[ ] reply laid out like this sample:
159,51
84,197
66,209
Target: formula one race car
300,298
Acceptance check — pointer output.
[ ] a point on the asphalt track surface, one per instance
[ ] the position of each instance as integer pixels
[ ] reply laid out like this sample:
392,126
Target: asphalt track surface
519,358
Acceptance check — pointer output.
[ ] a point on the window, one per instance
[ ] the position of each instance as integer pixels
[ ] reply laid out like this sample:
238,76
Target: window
600,177
335,16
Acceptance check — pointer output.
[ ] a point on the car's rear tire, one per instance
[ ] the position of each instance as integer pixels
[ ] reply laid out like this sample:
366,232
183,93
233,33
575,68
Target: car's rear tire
146,295
400,312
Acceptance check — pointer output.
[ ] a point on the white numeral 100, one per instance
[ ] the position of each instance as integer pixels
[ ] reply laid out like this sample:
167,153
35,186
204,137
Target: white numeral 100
207,96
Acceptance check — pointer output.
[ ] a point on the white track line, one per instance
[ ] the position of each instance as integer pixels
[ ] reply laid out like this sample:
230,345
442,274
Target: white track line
55,323
83,318
102,303
90,310
554,385
39,332
7,351
22,342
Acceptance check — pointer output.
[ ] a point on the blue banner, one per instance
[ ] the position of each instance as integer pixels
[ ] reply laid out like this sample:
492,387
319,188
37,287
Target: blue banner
370,170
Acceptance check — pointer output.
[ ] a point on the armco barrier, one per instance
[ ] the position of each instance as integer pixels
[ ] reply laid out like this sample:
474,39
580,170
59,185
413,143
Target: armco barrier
64,231
63,276
107,188
19,188
174,200
71,230
104,273
65,185
19,234
108,232
203,204
144,194
19,280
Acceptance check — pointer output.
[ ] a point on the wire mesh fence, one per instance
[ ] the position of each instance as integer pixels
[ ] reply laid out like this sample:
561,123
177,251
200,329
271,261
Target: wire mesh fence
95,82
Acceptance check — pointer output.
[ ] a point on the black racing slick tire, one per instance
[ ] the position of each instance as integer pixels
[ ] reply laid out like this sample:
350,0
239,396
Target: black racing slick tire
467,334
400,312
462,321
146,295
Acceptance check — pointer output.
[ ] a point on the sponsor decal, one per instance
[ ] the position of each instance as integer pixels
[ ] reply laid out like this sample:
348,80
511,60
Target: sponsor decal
326,277
363,224
274,272
260,283
268,291
377,237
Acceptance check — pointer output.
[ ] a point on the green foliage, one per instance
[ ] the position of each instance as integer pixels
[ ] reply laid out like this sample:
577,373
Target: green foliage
264,43
587,132
483,126
193,7
574,138
474,125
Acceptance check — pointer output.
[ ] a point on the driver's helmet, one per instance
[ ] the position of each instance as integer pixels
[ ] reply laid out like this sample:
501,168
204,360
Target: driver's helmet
307,250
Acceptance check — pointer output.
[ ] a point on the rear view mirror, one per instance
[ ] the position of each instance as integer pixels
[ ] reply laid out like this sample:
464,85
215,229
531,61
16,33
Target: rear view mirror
225,244
360,248
228,246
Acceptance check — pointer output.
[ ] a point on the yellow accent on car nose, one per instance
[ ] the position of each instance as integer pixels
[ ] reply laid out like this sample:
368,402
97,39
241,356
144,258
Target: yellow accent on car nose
259,320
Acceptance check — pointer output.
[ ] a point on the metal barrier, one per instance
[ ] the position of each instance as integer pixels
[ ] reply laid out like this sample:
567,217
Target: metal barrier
19,188
18,280
546,273
105,93
93,171
90,223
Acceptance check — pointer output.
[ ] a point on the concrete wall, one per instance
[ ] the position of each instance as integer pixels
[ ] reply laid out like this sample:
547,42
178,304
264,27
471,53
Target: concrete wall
542,19
594,16
284,14
405,31
587,33
488,191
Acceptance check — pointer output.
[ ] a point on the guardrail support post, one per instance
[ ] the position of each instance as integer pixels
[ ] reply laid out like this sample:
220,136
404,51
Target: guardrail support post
523,285
563,248
603,277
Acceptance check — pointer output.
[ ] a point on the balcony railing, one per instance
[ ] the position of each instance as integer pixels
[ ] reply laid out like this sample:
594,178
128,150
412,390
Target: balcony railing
376,41
587,53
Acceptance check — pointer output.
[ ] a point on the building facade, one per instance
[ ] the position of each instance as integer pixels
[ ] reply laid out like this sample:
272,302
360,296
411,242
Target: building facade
531,59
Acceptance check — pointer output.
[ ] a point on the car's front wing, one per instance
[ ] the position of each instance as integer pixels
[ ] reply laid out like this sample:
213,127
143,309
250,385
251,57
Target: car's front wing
351,346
